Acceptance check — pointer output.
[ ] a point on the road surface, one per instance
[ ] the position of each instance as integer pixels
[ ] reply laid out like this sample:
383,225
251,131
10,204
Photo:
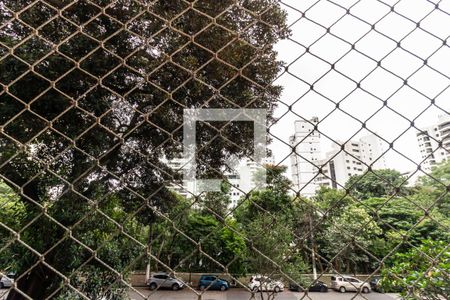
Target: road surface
241,294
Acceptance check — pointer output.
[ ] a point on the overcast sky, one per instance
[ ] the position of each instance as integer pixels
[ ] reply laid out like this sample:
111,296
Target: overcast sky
410,101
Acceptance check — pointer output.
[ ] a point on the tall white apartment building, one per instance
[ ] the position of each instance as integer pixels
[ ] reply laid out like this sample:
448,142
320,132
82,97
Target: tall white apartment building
305,144
241,180
429,139
372,151
354,159
311,168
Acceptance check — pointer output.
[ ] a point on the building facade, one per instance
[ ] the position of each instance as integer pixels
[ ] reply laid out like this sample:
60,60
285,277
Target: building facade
311,168
354,159
429,138
305,156
242,180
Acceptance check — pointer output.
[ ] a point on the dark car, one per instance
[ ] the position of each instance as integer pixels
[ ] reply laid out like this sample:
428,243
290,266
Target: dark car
375,284
212,282
317,286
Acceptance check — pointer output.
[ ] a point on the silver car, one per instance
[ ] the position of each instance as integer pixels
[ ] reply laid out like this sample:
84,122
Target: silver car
347,283
163,280
6,281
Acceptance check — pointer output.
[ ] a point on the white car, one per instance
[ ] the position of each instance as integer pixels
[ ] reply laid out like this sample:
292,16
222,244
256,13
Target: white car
163,280
6,281
347,283
263,283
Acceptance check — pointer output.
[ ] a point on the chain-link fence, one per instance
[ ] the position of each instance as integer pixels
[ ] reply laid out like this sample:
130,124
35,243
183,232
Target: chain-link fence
266,149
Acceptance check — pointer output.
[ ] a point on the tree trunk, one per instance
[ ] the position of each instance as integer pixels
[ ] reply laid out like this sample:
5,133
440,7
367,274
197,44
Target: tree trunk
150,240
33,284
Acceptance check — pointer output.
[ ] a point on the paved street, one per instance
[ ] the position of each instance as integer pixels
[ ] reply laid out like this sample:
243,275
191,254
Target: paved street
240,294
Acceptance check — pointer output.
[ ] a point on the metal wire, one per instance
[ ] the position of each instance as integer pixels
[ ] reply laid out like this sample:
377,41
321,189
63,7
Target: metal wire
93,93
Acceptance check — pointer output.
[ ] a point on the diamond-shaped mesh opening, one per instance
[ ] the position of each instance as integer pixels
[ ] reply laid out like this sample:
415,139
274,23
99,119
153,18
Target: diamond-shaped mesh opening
26,53
57,30
78,46
81,12
124,10
76,83
38,14
73,122
123,43
130,133
14,32
25,127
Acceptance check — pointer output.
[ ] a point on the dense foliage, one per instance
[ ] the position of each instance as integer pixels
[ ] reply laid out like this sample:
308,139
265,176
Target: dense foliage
94,102
420,273
270,233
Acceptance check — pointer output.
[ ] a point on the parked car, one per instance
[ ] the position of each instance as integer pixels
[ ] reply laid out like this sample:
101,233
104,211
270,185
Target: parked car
264,283
212,282
317,286
375,284
347,283
163,280
383,285
7,280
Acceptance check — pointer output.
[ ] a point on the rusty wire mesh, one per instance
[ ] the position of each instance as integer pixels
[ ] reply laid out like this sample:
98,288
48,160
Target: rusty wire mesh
92,102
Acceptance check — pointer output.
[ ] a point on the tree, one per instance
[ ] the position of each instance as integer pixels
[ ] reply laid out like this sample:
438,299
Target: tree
12,216
220,241
332,201
434,188
216,203
346,236
420,273
377,183
273,197
270,219
105,104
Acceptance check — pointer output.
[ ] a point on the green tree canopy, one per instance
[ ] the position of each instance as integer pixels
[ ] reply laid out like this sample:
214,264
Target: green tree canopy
434,187
421,273
377,183
95,100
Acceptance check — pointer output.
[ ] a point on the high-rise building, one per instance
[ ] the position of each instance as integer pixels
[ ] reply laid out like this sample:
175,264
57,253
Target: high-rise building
241,179
429,139
305,145
372,151
311,168
353,159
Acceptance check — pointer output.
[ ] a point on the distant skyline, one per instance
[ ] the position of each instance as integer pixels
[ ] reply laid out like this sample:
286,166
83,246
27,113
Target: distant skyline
411,101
